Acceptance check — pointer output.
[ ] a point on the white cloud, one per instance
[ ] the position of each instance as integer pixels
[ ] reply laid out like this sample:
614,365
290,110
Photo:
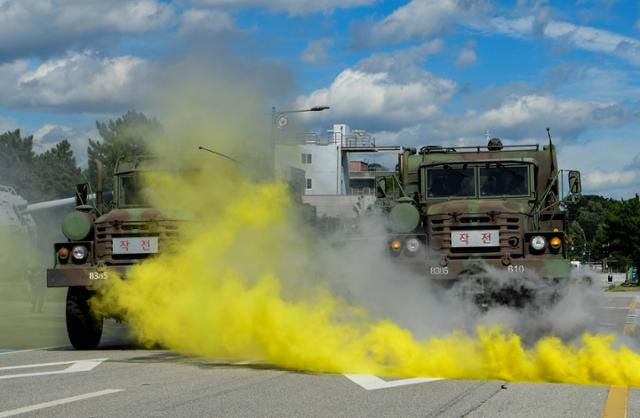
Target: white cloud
420,19
524,110
516,119
40,27
466,57
616,183
425,18
391,91
402,63
79,81
634,164
598,180
581,37
48,135
593,83
385,90
605,163
205,21
316,52
292,7
7,124
357,95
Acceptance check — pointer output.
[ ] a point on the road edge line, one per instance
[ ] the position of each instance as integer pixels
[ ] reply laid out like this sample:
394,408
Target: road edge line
617,402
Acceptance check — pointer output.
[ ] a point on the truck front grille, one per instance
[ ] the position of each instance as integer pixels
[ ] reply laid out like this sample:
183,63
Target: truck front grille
166,231
508,226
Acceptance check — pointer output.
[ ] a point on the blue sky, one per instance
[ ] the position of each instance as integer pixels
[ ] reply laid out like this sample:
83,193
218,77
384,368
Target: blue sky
409,72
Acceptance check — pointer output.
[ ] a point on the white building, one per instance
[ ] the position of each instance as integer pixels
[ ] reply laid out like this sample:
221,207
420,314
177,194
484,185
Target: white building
325,164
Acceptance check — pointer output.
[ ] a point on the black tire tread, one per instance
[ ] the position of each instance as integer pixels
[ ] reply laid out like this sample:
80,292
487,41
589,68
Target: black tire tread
83,327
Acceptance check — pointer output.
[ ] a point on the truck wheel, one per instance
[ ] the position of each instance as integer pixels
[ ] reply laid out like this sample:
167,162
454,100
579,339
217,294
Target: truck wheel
83,327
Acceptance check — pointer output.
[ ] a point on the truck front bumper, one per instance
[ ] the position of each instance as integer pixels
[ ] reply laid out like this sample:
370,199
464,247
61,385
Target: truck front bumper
82,276
454,269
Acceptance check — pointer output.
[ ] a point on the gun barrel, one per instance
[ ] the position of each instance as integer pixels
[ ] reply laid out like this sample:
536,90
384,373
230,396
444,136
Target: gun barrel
52,204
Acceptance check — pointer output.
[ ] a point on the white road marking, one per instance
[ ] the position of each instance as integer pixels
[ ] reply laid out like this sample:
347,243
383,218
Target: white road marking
30,349
63,401
370,382
75,367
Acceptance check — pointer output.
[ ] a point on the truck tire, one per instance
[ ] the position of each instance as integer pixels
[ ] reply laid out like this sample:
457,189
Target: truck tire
83,327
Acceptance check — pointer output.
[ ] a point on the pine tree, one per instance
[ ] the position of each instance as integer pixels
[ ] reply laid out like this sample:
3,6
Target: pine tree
125,137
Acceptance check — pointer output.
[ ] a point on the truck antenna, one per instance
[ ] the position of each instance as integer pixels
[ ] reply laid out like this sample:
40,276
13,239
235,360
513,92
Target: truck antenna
219,154
550,147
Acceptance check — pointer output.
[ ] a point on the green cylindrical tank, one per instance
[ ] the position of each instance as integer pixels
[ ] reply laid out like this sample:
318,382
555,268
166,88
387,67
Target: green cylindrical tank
404,216
77,225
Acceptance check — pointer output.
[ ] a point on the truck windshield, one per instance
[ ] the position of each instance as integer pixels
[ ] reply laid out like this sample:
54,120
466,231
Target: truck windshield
447,181
504,181
131,191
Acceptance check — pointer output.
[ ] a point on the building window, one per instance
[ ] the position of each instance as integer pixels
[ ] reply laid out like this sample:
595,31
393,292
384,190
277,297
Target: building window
306,158
308,184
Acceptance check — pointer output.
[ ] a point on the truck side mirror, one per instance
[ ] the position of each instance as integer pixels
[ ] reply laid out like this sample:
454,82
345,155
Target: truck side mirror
82,191
575,186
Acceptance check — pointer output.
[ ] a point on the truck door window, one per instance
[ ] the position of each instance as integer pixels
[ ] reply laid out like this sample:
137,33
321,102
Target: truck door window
504,181
131,191
447,182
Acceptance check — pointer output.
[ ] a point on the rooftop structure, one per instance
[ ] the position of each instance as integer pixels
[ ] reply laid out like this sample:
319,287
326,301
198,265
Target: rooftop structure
326,161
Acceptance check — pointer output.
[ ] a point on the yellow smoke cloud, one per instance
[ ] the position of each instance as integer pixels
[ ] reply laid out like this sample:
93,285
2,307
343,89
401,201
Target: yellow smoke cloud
221,293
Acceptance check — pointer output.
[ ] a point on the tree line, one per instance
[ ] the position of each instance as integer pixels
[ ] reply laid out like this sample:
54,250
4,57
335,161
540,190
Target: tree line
54,173
599,227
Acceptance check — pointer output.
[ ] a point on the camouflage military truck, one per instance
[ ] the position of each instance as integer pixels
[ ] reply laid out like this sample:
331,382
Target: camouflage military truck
100,241
458,212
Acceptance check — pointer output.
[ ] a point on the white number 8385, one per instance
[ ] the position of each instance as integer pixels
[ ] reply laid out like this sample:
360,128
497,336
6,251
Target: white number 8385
96,275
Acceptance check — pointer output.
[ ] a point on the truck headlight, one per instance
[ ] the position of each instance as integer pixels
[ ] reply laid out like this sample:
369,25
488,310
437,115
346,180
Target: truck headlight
79,252
412,245
538,242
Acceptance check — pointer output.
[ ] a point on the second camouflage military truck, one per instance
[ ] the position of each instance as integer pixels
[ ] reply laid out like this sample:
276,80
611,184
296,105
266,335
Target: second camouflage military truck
458,212
100,241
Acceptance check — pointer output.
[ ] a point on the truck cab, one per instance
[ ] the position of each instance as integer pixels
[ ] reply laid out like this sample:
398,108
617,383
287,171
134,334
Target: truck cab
103,242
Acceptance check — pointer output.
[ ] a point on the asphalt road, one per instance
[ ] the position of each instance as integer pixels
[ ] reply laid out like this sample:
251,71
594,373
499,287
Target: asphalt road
119,380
